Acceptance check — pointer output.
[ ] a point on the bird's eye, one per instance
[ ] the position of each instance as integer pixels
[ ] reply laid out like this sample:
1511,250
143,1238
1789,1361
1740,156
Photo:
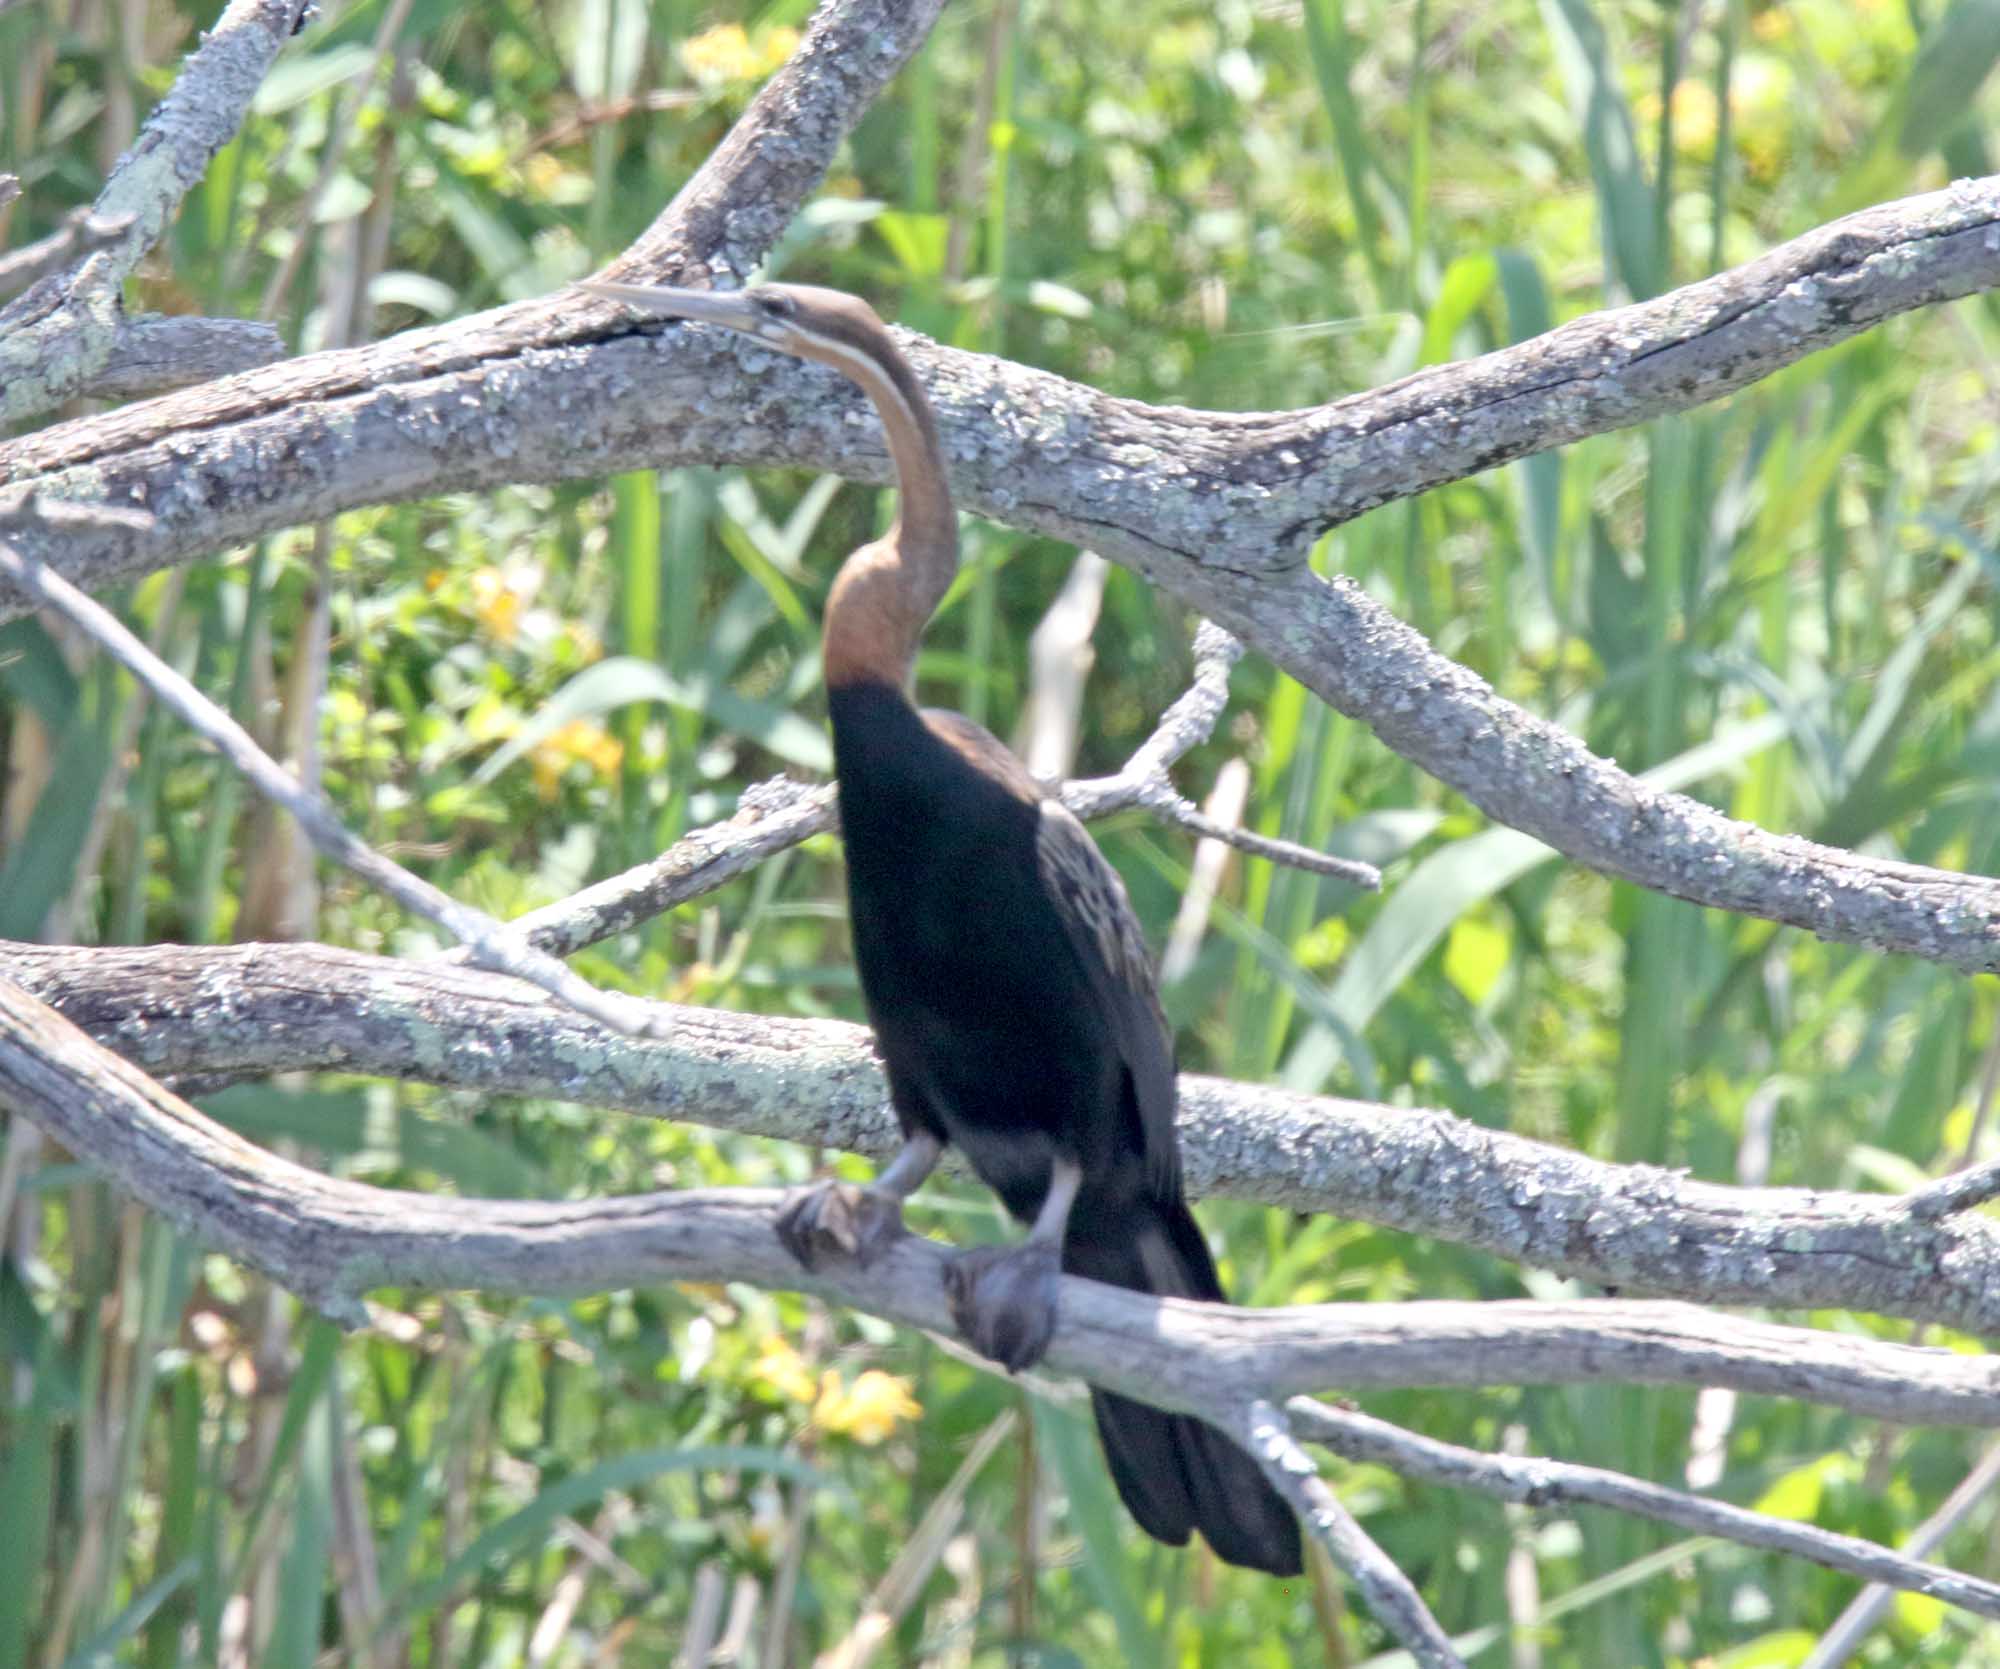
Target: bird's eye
774,306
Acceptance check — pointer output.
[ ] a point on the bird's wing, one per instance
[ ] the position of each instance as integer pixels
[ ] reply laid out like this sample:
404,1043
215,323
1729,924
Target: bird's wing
1098,919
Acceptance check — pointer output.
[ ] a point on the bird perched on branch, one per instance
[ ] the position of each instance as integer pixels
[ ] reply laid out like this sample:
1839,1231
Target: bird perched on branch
1005,976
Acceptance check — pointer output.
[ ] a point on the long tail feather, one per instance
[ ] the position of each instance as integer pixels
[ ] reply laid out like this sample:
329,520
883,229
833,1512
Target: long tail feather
1175,1473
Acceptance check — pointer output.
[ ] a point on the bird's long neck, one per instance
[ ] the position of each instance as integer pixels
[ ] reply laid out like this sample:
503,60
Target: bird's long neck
886,592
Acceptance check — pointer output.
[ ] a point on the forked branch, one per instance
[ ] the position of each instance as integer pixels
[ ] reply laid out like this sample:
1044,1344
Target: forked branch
332,1240
218,1014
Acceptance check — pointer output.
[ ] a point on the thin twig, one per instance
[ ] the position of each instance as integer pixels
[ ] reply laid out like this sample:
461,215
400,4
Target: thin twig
771,817
1263,1430
83,232
1864,1612
1531,1481
1165,802
778,814
490,943
1190,721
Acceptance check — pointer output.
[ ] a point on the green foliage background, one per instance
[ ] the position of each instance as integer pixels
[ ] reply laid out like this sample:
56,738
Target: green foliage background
1237,205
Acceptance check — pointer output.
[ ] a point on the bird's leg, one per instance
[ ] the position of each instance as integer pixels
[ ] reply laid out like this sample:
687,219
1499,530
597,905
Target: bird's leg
1004,1297
831,1220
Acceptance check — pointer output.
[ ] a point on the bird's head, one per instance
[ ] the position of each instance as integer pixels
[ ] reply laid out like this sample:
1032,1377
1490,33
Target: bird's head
800,319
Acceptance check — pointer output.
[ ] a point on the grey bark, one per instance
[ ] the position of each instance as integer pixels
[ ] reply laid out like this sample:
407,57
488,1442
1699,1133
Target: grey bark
1540,1483
1218,508
331,1240
252,1010
61,334
157,352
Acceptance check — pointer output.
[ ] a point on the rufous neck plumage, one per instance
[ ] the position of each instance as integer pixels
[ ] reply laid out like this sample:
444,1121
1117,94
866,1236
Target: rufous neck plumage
886,592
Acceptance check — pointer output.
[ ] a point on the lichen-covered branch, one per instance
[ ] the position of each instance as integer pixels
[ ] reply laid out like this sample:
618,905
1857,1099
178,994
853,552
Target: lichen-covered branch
722,221
159,351
1218,508
331,1240
252,1010
82,232
57,338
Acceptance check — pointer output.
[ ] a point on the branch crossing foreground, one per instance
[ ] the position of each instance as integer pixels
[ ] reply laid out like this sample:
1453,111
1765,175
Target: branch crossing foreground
565,390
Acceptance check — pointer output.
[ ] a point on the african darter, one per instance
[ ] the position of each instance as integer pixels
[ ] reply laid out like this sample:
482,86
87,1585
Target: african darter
1005,975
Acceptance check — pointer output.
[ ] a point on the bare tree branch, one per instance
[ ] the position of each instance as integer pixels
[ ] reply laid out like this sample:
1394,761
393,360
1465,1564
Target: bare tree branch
82,232
551,390
1187,723
771,817
489,942
517,396
732,212
252,1010
777,815
1535,1482
59,335
724,220
1961,1191
332,1240
159,352
1865,1611
1267,1434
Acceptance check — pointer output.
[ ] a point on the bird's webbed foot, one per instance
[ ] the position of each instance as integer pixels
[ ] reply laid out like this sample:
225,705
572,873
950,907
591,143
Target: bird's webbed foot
833,1221
1004,1300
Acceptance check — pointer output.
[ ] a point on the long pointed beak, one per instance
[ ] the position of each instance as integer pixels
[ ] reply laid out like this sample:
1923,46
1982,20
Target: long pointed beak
715,307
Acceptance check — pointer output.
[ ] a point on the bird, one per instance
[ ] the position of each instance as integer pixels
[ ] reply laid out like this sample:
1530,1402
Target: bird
1004,973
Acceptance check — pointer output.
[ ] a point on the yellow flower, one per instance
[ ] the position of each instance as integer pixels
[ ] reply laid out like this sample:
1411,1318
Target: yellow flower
779,45
784,1370
496,603
548,181
724,53
1695,116
868,1410
579,739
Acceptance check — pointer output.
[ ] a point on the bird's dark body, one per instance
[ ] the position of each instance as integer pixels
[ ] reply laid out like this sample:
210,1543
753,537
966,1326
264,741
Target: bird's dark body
990,1042
1016,1020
